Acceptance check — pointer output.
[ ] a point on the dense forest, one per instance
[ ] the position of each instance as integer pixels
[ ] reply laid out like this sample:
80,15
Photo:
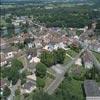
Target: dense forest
59,16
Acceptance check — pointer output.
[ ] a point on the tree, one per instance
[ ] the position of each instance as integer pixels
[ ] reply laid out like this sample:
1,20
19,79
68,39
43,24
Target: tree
23,77
21,45
13,75
10,30
8,20
13,72
47,58
40,95
41,70
17,64
17,92
51,58
6,92
60,55
40,82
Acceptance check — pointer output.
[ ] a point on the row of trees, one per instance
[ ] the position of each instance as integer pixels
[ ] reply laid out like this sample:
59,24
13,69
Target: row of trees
51,58
48,59
13,73
41,70
78,16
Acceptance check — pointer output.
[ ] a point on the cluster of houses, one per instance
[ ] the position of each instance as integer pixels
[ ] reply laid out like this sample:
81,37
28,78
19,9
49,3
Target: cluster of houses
50,40
30,85
88,39
19,20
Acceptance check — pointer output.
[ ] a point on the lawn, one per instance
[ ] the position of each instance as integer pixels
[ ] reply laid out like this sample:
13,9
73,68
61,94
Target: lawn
74,87
71,52
48,81
97,55
23,60
67,60
49,77
79,32
2,22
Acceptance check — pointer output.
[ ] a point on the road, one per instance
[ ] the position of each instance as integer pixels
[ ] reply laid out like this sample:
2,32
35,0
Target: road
59,77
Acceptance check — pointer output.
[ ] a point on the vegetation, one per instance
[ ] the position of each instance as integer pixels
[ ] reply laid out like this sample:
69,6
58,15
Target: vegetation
78,73
51,58
17,92
6,92
23,77
93,74
13,72
47,58
71,52
40,82
68,90
97,55
41,70
61,15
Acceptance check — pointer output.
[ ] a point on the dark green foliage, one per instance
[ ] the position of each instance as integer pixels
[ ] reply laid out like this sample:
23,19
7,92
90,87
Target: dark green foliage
47,58
60,56
17,92
41,70
40,95
10,30
68,90
78,73
13,72
6,92
21,45
40,82
8,20
98,25
51,58
93,74
17,64
23,77
78,16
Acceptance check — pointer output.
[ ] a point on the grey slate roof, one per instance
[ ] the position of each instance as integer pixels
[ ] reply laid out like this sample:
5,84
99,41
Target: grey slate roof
91,88
28,85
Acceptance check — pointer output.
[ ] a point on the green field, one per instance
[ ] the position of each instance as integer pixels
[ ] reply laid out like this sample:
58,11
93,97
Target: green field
97,55
72,87
71,52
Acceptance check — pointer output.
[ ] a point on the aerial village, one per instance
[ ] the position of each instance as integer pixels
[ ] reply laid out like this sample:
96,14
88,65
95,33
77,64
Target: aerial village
25,51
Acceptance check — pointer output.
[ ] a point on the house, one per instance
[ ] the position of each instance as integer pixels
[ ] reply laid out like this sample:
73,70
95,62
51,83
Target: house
49,47
60,45
32,56
92,90
3,43
30,45
10,55
95,47
32,77
3,83
34,60
74,41
19,20
28,87
38,43
87,60
78,62
3,60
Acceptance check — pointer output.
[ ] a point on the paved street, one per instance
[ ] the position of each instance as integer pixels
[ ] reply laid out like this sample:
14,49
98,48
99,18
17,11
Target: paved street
59,77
